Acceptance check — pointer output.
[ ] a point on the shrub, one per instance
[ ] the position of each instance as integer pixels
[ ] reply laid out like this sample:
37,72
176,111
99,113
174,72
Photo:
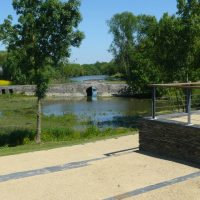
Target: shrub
16,137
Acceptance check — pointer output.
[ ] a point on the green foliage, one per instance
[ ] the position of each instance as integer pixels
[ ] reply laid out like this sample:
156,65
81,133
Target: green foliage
43,36
123,27
157,51
57,134
98,68
15,137
3,56
41,81
91,131
178,44
133,48
14,71
167,48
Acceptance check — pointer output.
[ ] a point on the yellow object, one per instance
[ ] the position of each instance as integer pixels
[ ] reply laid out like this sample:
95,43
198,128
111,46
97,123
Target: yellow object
5,82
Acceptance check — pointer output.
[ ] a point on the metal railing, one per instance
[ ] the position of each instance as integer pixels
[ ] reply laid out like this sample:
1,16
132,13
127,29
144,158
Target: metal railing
186,101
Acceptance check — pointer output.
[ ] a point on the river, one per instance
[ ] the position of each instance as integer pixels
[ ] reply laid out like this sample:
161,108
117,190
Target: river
109,112
89,78
103,112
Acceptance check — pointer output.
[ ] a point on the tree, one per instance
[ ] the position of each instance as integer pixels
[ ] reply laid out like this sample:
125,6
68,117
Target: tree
122,26
133,48
189,16
163,51
45,31
168,48
177,43
3,56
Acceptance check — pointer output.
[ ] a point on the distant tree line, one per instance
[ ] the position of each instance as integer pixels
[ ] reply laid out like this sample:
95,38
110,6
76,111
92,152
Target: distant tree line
98,68
63,71
154,51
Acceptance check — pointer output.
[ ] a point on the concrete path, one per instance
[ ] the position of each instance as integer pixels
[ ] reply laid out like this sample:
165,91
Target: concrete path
110,170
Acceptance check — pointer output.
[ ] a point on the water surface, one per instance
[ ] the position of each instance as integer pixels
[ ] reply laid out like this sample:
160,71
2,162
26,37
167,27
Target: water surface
89,78
113,110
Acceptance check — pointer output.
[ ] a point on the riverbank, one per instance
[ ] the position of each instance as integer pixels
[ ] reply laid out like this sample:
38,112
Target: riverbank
18,125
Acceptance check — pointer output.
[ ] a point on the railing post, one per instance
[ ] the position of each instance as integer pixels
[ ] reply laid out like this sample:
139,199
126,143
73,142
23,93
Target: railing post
186,99
153,103
189,98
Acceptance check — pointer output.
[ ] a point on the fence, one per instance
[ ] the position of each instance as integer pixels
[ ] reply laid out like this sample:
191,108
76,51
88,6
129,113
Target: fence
179,100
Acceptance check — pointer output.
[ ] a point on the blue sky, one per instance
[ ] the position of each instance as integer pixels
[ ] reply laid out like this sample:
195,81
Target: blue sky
95,14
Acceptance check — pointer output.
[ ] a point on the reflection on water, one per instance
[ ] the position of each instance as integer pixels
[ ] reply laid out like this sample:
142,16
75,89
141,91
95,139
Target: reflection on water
101,111
91,98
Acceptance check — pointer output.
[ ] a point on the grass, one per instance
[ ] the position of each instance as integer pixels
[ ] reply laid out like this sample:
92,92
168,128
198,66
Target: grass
4,151
18,125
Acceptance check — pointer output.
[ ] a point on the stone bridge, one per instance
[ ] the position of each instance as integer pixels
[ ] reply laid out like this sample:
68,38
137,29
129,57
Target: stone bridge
70,89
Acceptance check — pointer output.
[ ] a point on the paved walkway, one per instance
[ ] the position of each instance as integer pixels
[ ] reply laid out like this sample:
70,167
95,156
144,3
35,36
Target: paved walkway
110,170
182,117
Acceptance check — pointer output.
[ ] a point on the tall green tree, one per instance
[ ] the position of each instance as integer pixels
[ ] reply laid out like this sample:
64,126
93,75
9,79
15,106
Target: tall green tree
168,48
133,48
189,16
163,51
123,26
177,43
45,31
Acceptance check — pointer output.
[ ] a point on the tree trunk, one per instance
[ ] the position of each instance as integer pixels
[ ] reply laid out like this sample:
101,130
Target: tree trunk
38,134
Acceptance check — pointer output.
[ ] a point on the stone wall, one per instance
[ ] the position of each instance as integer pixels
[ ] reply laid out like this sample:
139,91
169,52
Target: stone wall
171,139
69,90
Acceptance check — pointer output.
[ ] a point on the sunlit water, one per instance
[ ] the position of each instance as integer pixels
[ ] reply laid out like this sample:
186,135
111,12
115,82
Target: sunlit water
114,111
89,78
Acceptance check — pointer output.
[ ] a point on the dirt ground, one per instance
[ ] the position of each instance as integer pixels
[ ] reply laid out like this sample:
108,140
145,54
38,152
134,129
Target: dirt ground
98,170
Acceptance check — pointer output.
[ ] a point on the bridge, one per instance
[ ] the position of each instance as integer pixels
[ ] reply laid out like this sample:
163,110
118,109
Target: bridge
70,89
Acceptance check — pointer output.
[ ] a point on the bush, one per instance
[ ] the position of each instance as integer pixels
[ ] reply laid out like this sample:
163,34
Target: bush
16,137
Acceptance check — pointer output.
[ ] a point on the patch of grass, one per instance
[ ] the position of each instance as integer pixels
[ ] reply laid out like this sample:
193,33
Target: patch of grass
57,134
4,151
